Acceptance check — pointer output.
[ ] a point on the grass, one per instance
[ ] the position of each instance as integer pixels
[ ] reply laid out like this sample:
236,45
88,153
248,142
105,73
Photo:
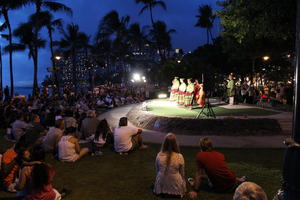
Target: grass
115,177
162,108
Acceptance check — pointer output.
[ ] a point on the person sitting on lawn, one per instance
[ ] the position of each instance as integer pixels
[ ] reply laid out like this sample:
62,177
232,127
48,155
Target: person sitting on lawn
127,138
68,147
103,136
169,164
51,137
40,180
10,165
213,164
18,127
89,125
249,191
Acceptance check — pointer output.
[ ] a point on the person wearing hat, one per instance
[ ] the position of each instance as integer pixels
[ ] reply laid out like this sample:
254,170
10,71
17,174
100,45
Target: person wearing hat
189,94
174,89
181,93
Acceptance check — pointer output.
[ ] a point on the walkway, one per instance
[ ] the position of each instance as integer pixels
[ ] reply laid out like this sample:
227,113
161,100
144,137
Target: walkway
151,136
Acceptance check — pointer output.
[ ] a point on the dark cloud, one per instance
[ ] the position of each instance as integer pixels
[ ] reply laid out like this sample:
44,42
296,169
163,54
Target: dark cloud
180,15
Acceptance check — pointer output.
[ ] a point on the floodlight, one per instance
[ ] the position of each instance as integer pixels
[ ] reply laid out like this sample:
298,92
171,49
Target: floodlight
162,96
266,58
136,77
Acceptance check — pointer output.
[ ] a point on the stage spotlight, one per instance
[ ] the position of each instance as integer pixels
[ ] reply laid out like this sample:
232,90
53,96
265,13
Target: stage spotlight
162,96
132,80
137,77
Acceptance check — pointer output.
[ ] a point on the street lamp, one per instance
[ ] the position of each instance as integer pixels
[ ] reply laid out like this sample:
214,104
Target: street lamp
266,58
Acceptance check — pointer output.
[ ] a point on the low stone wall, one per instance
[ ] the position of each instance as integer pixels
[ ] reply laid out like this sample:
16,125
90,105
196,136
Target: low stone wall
187,126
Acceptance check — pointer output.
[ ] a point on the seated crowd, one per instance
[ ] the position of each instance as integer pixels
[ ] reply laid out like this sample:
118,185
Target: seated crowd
60,127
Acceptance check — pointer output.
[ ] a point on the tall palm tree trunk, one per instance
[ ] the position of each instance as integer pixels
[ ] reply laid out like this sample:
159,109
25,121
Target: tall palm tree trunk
207,35
36,35
211,36
35,73
5,14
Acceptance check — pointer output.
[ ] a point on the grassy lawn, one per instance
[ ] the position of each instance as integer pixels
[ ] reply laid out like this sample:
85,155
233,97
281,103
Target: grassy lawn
164,108
116,177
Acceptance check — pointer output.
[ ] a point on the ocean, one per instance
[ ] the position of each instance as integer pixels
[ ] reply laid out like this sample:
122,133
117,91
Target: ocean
24,91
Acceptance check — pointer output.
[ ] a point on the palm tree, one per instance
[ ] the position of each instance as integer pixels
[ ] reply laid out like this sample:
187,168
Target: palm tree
150,4
51,24
206,20
72,41
5,7
137,36
25,33
162,37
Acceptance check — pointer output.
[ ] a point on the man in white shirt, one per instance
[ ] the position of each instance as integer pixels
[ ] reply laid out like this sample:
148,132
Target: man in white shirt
127,138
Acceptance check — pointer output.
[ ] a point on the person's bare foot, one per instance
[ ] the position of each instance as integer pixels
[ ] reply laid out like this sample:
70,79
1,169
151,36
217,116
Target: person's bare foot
144,146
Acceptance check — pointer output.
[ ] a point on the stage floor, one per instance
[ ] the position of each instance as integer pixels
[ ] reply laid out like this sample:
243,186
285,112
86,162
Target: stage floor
164,107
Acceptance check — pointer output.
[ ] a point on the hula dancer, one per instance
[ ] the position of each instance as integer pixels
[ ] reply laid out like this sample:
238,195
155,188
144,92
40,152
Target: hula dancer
201,100
174,89
231,90
189,94
181,93
196,90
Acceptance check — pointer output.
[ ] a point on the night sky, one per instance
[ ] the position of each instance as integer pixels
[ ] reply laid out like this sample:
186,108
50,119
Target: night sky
180,15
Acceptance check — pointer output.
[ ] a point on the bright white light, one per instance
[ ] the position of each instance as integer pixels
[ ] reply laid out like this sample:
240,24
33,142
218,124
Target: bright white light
162,96
178,61
136,77
57,57
266,58
143,77
132,80
145,81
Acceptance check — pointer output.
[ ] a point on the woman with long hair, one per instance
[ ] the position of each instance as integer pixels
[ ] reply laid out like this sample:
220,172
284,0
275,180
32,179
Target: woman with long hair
169,164
102,136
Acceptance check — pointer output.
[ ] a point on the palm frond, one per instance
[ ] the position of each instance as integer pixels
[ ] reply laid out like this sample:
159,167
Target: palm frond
55,6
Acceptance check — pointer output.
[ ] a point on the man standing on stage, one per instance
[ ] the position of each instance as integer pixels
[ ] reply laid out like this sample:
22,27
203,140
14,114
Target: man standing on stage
181,93
231,90
174,89
189,94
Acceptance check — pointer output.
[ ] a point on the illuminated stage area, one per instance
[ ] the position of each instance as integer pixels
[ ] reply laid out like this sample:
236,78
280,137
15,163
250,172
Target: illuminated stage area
165,116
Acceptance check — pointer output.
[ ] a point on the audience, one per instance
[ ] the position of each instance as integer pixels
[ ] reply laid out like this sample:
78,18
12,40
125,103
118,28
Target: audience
68,147
169,164
18,127
89,125
249,191
102,136
213,165
49,140
126,138
34,131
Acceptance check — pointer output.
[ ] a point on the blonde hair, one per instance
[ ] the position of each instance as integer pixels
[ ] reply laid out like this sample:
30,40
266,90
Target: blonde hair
249,191
170,146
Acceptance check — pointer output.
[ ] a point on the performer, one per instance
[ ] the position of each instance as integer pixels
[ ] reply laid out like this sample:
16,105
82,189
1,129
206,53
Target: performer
231,90
189,94
174,89
201,100
196,90
181,93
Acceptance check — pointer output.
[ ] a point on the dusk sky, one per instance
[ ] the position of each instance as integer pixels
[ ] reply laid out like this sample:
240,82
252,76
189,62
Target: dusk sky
180,15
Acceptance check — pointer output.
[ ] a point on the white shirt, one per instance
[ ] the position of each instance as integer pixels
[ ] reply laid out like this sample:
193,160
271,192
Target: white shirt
122,138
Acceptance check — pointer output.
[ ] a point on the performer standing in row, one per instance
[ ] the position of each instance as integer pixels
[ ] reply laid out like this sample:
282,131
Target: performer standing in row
181,93
201,100
189,94
231,90
196,90
174,89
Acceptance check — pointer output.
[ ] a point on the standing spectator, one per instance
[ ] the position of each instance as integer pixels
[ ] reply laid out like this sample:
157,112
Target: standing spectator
244,92
127,138
6,94
68,147
169,164
213,164
51,137
18,127
89,125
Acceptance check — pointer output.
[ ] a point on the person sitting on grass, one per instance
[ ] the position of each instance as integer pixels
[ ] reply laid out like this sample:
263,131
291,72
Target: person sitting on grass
51,137
103,136
127,138
10,165
169,164
68,147
213,165
249,191
89,125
